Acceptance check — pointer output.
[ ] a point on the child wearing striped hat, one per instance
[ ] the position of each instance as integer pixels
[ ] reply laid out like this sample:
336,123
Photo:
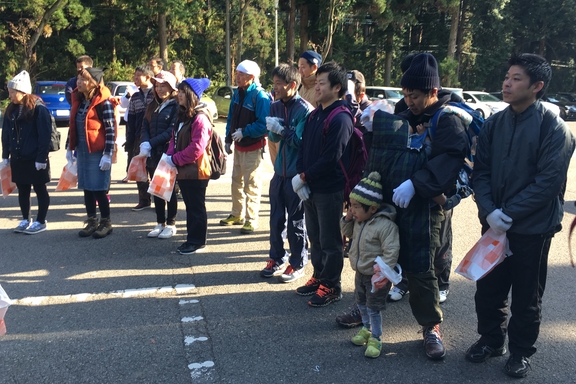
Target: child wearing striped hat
370,224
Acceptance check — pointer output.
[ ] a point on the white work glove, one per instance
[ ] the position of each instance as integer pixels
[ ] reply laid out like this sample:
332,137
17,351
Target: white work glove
145,149
403,194
297,183
70,156
304,192
170,162
228,148
273,125
237,136
498,221
105,162
40,166
5,162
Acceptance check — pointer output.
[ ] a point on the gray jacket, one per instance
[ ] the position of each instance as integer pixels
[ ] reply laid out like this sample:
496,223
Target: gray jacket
520,166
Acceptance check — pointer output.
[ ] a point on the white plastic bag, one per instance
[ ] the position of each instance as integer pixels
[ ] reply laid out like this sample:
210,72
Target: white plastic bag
383,271
163,181
486,254
5,302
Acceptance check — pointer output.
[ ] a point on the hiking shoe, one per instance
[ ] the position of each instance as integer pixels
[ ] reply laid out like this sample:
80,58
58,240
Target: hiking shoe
517,366
248,228
141,207
433,342
396,294
35,228
156,231
309,288
189,249
362,337
24,224
232,220
167,232
104,229
444,295
325,296
374,348
479,352
291,274
91,226
350,319
273,268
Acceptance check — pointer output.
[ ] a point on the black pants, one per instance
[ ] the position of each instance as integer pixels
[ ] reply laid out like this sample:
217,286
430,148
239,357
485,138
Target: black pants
90,198
160,205
525,273
194,196
24,200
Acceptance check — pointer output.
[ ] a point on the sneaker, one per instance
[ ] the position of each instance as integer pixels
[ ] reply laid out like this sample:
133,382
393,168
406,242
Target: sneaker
325,296
189,249
232,220
433,342
374,348
156,231
444,295
167,232
248,227
517,366
24,224
35,228
291,274
141,207
350,319
309,288
396,294
273,268
480,352
362,337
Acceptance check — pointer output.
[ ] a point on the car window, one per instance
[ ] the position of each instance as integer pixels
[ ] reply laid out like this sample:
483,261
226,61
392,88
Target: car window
56,89
393,94
120,90
486,98
468,98
225,92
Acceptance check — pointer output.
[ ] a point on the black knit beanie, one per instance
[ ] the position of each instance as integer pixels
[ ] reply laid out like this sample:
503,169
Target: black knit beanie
96,73
422,74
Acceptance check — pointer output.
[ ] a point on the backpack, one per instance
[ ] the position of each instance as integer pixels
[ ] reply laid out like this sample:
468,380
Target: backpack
54,134
464,180
217,156
358,154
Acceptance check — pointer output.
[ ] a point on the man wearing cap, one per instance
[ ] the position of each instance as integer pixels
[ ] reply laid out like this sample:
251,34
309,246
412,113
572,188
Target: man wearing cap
308,64
246,128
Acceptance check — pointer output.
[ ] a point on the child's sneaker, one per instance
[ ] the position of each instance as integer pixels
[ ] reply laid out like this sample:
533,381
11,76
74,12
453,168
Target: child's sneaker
35,228
272,269
374,348
24,224
362,337
291,274
167,232
156,231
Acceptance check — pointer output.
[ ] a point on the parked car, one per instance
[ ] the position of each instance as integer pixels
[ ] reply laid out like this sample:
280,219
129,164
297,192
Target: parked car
458,91
222,98
484,102
567,104
52,94
562,105
553,107
568,96
391,94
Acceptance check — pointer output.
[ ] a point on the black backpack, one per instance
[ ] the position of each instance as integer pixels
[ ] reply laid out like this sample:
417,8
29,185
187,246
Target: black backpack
54,135
217,156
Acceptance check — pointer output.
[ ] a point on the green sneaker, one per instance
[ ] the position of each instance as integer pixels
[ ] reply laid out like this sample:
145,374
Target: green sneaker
362,337
247,228
232,220
374,347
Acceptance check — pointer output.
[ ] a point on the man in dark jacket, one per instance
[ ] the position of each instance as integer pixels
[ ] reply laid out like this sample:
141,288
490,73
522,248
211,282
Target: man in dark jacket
320,184
82,62
519,172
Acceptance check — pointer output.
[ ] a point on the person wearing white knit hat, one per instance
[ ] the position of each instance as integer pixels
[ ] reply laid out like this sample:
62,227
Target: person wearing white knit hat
26,135
246,128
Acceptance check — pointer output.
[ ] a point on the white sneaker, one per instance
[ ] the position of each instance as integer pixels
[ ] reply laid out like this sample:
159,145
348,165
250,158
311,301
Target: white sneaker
167,232
444,295
156,231
396,294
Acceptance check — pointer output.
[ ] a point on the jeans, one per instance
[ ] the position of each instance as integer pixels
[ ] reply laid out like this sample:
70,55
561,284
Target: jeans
194,196
323,213
525,273
284,200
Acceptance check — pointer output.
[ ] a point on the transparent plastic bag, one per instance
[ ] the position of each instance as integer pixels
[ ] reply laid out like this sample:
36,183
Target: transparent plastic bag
162,182
6,179
486,254
68,178
383,272
5,302
137,169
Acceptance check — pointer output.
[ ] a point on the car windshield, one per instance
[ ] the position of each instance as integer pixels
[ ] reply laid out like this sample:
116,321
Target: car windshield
55,89
484,97
393,94
569,96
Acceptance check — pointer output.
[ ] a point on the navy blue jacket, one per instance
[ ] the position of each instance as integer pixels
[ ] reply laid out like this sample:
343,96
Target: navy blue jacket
33,140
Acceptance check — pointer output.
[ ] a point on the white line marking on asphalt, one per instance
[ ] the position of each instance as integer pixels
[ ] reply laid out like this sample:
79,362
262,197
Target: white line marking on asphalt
184,288
196,368
193,301
190,339
191,319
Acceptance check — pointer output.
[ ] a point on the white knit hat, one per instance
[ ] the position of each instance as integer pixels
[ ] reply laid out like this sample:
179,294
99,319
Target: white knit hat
21,82
251,68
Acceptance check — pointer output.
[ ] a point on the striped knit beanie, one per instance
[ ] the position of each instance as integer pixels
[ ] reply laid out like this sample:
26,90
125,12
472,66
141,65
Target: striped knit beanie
368,191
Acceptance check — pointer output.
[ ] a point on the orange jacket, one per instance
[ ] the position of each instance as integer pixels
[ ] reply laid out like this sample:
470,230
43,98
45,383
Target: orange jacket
95,129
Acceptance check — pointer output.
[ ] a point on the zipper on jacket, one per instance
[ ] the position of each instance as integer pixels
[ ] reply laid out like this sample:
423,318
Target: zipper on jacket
284,146
515,120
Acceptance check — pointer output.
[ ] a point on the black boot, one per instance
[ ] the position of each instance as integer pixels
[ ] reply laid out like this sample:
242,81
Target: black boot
104,229
91,226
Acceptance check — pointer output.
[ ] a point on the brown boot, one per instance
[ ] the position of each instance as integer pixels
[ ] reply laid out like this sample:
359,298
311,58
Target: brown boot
91,226
104,229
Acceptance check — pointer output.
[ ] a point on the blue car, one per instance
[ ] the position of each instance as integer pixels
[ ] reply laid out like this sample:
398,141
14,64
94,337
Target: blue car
52,93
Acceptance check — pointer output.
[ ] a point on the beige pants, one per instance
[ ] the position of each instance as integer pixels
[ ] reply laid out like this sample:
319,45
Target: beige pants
273,150
247,184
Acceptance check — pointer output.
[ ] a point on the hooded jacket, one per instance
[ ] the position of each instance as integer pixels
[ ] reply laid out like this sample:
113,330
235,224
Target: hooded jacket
518,172
375,237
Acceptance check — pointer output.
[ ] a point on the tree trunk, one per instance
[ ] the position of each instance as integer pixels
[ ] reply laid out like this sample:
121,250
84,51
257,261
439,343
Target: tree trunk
303,28
327,48
291,33
243,8
162,38
455,18
542,47
388,59
460,37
